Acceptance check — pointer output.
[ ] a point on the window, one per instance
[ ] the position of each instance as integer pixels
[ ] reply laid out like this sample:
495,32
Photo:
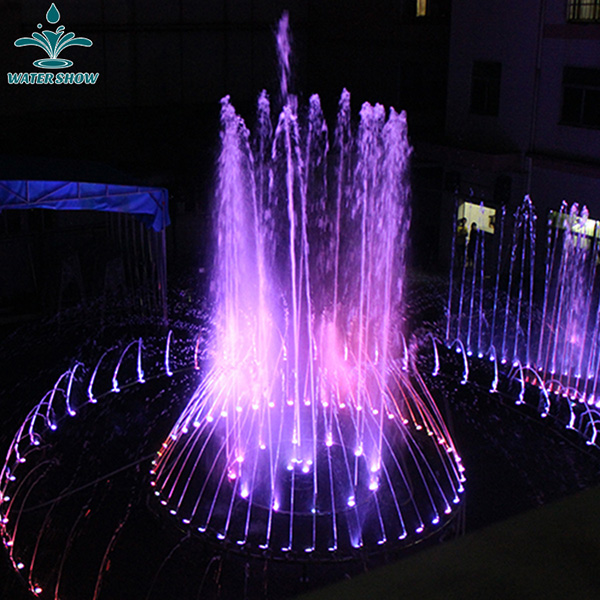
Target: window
483,216
431,8
485,88
581,97
584,10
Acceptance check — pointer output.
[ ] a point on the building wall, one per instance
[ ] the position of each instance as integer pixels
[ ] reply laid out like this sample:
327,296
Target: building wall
575,45
534,42
491,30
553,184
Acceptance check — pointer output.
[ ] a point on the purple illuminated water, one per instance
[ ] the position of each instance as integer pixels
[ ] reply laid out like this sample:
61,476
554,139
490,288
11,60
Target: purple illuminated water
542,319
306,433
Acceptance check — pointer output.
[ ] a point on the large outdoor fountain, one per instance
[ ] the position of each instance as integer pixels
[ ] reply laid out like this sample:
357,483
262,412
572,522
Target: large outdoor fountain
306,434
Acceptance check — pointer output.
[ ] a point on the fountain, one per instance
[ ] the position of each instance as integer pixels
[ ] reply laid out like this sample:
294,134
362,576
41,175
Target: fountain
306,434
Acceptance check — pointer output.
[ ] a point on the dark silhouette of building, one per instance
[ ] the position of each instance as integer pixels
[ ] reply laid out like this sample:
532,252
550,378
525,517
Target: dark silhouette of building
523,104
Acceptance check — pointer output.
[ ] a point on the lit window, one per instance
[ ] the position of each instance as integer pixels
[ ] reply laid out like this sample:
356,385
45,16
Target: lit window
485,88
581,97
483,216
583,10
421,8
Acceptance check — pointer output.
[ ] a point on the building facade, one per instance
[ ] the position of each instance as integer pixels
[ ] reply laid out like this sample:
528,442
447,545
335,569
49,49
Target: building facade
523,106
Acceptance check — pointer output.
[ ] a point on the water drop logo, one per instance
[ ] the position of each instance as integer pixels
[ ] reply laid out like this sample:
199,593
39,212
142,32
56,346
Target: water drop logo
53,42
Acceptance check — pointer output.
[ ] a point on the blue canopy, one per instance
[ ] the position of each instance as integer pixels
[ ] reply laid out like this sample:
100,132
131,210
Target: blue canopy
149,205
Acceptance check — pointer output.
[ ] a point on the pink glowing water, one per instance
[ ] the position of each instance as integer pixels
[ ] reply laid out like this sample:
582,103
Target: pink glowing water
306,433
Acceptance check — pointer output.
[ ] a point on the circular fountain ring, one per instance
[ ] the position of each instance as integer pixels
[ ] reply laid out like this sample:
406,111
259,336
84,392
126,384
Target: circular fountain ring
82,450
240,475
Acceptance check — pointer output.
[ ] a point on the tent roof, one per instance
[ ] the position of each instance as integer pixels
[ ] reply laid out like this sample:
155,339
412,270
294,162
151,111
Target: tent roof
148,204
